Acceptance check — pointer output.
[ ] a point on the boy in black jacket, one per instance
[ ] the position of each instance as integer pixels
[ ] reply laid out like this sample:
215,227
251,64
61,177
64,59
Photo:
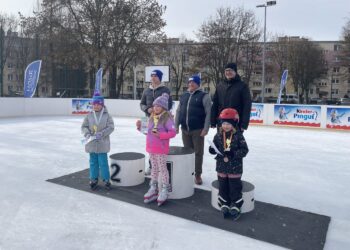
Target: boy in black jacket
232,147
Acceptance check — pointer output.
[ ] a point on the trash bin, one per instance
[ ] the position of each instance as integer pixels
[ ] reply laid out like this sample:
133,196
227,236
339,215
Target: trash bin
180,164
127,168
247,193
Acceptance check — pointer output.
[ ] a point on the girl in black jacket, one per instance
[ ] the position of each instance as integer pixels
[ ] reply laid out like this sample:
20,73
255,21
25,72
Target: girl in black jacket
232,147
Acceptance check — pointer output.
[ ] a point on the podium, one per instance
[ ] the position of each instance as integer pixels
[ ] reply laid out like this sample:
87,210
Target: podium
247,195
180,164
127,168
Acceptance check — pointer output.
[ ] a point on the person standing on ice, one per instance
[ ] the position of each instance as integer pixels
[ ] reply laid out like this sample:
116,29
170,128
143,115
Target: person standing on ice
96,128
193,115
161,128
232,147
156,89
232,93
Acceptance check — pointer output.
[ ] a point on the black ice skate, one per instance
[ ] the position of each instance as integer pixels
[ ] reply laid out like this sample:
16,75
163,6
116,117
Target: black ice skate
235,212
93,184
225,210
108,185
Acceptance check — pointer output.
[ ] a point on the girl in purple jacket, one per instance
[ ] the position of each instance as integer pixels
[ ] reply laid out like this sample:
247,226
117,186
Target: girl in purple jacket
161,128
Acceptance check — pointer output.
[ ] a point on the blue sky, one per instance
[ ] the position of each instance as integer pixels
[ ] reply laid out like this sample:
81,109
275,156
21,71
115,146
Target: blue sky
315,19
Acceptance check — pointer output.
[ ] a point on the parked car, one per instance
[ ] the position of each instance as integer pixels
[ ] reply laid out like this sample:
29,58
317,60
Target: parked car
289,98
343,101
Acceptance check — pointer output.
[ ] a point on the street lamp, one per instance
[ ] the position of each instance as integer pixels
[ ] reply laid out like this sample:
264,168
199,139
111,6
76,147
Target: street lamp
268,3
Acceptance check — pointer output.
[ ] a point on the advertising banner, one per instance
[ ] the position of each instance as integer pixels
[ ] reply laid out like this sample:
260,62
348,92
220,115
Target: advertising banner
283,83
297,115
338,118
98,81
31,78
256,113
81,106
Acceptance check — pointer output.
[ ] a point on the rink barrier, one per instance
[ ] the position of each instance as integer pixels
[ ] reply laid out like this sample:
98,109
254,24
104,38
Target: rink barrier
247,195
127,168
261,114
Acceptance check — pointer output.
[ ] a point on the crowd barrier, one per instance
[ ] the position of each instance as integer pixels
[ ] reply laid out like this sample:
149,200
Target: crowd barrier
297,115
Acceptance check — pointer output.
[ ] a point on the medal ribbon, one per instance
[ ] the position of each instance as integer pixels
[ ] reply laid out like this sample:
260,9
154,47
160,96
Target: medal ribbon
97,121
227,142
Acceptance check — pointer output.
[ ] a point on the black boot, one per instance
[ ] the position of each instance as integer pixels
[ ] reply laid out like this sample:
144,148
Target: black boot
224,198
93,184
107,185
236,197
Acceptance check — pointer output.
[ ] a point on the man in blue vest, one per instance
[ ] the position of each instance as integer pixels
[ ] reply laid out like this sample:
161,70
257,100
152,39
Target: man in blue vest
193,114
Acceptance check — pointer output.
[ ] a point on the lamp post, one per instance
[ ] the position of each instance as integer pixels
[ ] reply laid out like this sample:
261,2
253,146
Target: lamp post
268,3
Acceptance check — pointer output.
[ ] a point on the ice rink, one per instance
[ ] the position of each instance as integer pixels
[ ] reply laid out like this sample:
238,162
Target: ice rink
306,169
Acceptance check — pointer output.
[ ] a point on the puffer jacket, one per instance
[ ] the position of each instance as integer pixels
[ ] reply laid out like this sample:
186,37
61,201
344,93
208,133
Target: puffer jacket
106,126
235,94
166,131
238,150
150,94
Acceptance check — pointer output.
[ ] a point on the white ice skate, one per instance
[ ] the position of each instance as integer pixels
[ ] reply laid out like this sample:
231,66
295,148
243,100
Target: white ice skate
163,195
152,192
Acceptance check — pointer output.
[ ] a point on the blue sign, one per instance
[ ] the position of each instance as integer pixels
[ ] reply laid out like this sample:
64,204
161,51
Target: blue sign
98,81
31,78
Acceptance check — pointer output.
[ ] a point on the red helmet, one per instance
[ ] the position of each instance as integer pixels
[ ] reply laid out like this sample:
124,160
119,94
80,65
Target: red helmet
229,114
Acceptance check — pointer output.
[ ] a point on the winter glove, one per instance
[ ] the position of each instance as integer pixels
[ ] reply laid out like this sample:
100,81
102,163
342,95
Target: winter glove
212,151
98,135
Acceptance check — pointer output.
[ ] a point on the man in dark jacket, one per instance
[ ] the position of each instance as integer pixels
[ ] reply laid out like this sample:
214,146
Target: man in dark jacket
193,114
156,89
232,93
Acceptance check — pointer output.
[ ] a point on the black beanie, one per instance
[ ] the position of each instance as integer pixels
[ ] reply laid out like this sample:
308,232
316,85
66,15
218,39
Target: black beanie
231,66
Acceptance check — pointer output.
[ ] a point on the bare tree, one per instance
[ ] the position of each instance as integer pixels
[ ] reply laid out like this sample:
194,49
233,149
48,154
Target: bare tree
135,24
8,35
224,39
305,64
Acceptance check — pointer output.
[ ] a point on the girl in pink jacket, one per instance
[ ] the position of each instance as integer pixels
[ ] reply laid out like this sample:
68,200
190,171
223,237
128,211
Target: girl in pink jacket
161,128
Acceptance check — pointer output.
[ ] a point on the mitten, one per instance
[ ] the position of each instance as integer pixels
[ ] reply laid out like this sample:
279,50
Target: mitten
98,135
212,151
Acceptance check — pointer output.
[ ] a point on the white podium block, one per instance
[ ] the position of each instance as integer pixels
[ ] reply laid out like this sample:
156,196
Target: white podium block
127,169
247,193
180,164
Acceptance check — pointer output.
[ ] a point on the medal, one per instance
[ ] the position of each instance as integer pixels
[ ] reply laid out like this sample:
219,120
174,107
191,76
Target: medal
94,128
225,159
228,143
155,121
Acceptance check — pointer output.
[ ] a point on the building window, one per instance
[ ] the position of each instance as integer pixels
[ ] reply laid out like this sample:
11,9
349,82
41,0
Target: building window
10,65
334,91
258,84
311,91
268,90
336,69
10,77
10,88
336,47
335,80
129,88
336,59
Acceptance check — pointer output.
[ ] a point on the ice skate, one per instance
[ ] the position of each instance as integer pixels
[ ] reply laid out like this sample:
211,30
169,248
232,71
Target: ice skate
163,195
108,185
152,192
93,184
225,210
235,212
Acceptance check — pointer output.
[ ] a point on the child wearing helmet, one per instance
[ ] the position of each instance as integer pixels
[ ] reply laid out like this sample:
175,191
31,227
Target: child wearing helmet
229,163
